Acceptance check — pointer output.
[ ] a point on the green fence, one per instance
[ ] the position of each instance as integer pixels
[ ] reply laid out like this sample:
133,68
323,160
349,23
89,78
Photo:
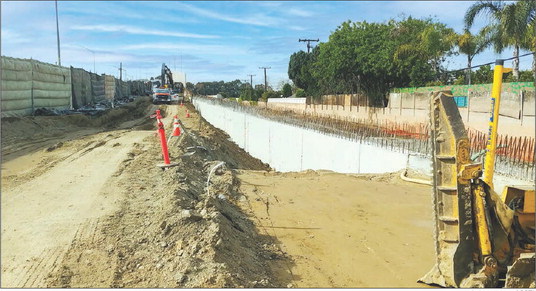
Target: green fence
461,90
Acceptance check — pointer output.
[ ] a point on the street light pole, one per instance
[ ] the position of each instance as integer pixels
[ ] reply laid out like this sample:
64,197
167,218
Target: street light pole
58,34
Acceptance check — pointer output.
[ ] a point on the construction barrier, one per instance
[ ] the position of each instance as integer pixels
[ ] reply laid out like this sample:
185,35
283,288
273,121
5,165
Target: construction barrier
16,87
82,88
97,86
51,86
109,87
162,134
27,85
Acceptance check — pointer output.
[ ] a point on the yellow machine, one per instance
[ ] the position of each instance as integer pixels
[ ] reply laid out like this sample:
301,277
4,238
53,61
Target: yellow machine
482,240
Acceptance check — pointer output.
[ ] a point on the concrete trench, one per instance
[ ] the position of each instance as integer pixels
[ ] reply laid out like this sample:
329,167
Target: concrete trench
290,148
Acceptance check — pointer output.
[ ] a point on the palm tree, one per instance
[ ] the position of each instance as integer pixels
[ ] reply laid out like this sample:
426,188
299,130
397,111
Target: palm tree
508,24
432,41
472,45
529,43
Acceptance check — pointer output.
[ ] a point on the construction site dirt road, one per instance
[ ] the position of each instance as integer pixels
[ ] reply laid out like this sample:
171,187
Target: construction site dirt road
84,205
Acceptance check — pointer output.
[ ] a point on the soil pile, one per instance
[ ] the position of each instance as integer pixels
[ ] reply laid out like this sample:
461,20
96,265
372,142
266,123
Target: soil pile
31,132
172,230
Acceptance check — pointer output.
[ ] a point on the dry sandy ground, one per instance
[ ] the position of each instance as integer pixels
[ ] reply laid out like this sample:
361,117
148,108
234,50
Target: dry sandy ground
49,195
86,207
345,230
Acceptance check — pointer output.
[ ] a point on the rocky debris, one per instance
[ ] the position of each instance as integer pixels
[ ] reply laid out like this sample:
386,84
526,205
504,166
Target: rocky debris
53,112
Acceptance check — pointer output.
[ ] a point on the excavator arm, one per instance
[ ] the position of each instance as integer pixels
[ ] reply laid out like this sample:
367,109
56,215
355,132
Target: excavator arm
472,224
479,240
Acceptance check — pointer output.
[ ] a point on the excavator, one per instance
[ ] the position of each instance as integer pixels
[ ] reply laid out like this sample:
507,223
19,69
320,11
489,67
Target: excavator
482,240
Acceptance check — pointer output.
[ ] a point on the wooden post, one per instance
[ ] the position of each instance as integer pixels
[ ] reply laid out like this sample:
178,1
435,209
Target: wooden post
357,95
521,105
468,104
413,104
400,103
390,102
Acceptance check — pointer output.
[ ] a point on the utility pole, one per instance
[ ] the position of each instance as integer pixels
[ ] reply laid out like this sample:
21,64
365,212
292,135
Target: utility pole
308,43
251,79
58,34
121,71
265,83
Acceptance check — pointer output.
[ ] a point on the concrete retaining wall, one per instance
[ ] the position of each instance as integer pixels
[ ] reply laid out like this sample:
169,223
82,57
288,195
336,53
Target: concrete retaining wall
290,148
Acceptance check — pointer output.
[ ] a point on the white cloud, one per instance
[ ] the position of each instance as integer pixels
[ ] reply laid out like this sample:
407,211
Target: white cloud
137,30
13,37
299,12
191,48
256,19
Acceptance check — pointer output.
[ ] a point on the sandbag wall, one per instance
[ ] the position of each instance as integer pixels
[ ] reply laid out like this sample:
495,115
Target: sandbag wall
82,87
97,87
109,87
30,84
51,86
27,85
16,87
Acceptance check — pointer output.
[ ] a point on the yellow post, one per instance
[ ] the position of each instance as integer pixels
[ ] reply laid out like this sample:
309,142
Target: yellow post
489,162
481,222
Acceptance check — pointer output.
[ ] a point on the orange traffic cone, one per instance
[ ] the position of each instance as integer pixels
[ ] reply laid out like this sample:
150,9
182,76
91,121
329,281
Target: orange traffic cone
176,126
181,104
187,114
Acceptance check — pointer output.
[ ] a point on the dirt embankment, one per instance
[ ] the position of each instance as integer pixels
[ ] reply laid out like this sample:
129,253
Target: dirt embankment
170,230
95,211
21,135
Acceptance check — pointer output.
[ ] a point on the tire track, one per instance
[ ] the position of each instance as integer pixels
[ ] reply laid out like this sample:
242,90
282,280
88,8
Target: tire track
45,215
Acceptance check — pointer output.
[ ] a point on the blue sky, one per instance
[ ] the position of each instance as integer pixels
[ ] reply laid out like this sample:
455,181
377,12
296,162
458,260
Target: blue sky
211,41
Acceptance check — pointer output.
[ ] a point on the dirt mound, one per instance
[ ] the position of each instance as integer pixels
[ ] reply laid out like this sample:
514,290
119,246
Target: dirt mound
172,230
34,132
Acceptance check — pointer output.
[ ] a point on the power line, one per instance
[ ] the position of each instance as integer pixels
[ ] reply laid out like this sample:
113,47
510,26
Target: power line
490,63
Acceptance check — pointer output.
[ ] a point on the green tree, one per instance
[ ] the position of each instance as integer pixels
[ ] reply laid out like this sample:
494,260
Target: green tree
424,44
508,25
270,94
422,47
301,68
529,43
484,75
357,57
286,90
471,45
190,86
300,93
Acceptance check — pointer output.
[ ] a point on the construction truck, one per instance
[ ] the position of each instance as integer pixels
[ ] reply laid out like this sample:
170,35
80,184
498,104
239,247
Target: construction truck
167,90
481,239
